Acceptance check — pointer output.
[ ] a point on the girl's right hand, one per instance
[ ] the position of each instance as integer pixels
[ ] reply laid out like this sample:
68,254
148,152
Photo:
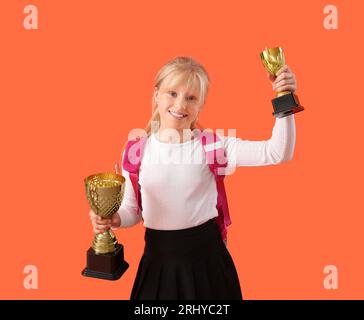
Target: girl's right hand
100,225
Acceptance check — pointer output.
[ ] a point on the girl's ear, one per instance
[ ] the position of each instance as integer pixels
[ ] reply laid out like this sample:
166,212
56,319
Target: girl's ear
155,93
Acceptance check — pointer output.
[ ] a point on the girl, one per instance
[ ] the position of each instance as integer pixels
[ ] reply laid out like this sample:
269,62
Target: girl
185,256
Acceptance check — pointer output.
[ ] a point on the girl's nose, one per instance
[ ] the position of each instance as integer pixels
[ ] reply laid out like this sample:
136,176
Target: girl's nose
181,103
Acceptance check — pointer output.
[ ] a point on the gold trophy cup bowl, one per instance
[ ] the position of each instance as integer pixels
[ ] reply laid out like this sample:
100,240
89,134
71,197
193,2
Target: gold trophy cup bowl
286,102
105,259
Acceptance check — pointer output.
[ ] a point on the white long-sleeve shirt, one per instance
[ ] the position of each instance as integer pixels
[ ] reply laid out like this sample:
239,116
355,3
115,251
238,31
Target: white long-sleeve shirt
178,189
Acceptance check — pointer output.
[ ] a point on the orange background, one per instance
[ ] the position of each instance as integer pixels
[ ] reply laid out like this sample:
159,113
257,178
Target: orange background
72,90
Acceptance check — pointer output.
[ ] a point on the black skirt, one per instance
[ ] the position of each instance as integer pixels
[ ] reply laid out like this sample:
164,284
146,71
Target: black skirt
186,264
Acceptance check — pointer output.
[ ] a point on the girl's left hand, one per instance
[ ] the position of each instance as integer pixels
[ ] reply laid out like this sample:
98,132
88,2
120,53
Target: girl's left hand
285,80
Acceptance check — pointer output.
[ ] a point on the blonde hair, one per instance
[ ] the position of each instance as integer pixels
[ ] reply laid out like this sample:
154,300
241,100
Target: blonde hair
184,70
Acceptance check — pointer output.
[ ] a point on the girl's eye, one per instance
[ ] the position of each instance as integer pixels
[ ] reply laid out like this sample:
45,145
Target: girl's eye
172,93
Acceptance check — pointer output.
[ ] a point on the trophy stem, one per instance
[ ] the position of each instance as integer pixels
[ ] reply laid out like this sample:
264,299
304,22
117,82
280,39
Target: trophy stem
104,242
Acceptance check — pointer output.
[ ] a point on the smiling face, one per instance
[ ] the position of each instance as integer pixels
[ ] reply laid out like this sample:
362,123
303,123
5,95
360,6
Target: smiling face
178,105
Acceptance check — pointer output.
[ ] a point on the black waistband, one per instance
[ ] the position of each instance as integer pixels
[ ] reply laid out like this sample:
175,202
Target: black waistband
182,232
179,243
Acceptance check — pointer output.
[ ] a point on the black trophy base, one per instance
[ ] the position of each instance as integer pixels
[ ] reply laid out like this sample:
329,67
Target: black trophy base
286,105
109,266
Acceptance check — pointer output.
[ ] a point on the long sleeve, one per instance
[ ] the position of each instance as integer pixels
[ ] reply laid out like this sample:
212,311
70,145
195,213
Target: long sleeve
279,148
128,209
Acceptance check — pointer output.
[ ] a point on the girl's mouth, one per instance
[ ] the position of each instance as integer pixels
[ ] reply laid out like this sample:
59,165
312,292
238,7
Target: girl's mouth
177,115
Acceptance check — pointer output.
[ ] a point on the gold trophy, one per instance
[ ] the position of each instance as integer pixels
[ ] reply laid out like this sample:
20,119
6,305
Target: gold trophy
105,259
286,102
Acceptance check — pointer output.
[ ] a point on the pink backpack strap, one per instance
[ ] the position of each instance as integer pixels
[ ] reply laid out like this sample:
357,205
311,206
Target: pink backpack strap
216,158
131,163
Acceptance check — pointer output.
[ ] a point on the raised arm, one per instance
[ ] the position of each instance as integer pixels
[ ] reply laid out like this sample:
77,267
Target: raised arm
279,148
